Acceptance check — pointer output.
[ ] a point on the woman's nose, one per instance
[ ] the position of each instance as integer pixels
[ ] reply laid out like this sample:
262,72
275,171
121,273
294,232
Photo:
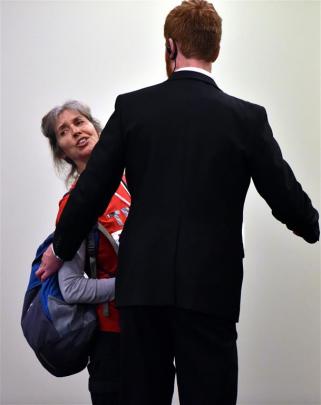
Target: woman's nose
75,131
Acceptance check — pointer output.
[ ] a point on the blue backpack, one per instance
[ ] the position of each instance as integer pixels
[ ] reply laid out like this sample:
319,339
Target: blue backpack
59,333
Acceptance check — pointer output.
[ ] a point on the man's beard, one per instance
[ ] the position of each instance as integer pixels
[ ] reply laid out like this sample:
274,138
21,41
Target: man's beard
169,67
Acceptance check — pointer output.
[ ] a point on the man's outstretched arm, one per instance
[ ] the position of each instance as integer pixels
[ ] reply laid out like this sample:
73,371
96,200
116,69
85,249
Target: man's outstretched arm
276,183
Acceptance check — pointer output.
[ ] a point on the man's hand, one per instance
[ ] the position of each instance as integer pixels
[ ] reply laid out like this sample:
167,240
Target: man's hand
50,264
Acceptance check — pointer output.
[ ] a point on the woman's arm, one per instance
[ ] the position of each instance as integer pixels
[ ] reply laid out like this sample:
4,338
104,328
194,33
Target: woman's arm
76,288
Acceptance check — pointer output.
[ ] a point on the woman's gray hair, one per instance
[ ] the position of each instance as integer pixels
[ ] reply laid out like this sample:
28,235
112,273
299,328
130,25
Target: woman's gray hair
48,128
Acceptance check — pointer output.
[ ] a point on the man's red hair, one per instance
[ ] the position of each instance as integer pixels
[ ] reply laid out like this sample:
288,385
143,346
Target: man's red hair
197,28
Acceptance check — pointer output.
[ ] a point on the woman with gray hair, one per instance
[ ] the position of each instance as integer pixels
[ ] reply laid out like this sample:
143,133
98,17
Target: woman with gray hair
73,133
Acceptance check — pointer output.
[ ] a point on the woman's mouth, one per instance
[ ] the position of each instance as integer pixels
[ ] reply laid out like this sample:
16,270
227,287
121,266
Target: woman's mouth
82,142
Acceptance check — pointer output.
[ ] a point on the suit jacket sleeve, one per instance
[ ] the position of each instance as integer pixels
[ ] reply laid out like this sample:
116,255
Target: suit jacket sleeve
94,189
276,183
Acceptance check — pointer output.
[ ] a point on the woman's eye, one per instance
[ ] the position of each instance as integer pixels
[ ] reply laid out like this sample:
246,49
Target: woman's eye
63,132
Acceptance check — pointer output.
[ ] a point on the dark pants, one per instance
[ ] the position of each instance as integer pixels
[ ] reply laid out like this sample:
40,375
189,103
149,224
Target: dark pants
204,350
104,369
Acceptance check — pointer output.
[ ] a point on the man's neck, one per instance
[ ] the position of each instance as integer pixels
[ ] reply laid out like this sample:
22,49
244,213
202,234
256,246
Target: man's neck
182,62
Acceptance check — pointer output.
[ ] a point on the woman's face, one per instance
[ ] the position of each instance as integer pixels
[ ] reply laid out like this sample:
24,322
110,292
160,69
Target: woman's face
76,137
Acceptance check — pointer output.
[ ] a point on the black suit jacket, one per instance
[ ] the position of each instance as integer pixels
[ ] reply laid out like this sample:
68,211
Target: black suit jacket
189,151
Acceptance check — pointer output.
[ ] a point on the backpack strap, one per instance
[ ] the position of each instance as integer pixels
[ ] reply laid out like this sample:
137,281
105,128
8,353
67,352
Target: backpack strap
91,251
123,181
111,240
91,265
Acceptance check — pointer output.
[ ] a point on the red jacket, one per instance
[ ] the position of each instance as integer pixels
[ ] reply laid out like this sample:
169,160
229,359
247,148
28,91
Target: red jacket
113,220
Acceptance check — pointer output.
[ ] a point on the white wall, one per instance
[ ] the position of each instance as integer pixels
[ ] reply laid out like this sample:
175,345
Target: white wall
92,51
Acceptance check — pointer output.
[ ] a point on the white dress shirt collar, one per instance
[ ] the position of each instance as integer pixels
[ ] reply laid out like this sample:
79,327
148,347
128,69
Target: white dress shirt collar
195,69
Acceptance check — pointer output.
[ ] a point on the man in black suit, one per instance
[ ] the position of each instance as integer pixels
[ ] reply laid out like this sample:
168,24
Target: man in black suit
189,151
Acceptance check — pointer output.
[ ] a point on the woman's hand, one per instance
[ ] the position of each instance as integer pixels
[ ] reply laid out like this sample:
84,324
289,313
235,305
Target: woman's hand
50,264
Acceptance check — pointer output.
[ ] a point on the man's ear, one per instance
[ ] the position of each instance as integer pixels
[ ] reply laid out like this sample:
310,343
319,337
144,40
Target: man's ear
217,52
171,48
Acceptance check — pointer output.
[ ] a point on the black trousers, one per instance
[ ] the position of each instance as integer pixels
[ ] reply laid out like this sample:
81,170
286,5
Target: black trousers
104,369
203,348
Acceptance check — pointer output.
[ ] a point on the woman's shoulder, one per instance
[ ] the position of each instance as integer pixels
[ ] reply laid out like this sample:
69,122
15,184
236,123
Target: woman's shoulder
120,200
63,201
